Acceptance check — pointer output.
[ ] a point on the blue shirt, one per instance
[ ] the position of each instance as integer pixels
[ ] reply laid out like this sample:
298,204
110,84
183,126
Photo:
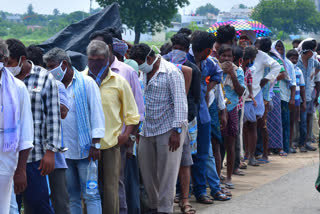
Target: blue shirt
300,82
208,69
231,94
266,88
307,72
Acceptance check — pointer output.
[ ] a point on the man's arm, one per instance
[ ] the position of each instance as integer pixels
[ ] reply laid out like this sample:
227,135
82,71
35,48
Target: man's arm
238,82
187,74
303,98
275,69
20,176
53,125
292,98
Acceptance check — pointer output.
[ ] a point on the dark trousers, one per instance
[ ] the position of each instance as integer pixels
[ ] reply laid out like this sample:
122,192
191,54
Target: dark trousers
237,146
132,185
36,196
59,191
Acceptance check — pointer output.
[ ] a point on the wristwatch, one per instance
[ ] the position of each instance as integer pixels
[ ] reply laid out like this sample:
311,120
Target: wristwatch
133,138
96,145
179,130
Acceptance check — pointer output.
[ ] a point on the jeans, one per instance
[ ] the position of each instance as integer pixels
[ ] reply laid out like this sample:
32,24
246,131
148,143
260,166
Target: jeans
212,175
199,168
303,128
132,185
76,175
36,196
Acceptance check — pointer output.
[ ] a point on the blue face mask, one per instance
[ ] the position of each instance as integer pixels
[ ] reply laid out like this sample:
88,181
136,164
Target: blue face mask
97,68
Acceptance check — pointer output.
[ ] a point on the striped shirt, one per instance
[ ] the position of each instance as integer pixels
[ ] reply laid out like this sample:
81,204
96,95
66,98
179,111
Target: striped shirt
45,107
300,82
166,101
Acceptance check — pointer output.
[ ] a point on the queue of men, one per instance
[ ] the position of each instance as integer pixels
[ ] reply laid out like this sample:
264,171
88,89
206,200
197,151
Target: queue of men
157,123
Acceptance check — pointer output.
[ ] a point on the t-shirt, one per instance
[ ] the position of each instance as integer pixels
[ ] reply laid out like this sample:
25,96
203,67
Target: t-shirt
300,82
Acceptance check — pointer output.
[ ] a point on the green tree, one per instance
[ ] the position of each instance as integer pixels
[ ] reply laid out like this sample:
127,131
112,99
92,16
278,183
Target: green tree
146,15
30,10
208,8
289,16
242,6
193,26
177,18
56,12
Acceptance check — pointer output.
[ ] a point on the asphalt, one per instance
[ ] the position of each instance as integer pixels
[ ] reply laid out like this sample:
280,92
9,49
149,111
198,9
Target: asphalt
293,193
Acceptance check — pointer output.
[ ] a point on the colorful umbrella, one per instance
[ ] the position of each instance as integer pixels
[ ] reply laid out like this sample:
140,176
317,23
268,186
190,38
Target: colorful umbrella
242,25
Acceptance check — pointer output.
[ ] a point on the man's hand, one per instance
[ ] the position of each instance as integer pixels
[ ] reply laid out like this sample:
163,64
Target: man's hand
123,139
292,104
227,67
223,119
174,141
20,181
130,152
47,163
304,106
94,153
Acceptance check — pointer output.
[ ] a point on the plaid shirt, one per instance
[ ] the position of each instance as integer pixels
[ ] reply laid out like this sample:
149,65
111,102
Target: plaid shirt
45,106
166,101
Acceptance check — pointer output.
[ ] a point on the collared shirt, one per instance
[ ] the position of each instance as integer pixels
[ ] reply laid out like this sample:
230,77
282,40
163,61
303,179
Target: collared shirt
261,62
231,94
96,115
45,106
211,69
9,160
166,100
118,106
285,85
131,76
307,73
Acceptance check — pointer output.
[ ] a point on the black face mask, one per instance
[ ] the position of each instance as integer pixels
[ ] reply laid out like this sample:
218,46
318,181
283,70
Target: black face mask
97,67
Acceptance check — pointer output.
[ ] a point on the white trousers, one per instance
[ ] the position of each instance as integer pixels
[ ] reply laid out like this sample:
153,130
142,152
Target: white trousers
6,191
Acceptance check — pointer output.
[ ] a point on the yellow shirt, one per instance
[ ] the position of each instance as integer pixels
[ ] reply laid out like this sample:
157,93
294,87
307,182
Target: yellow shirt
119,106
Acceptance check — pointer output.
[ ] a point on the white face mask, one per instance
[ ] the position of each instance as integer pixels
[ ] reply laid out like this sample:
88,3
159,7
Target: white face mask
58,73
15,70
146,68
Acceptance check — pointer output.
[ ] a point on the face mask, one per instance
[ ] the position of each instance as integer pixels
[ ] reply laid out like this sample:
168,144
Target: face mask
15,70
97,68
58,73
178,57
146,68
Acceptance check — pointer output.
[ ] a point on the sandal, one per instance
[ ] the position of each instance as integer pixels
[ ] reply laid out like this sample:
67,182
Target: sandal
263,161
243,165
204,199
177,199
187,208
283,154
229,185
238,172
221,197
253,162
226,192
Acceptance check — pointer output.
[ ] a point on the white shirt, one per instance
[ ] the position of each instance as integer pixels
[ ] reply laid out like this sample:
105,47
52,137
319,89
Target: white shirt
9,160
262,61
96,115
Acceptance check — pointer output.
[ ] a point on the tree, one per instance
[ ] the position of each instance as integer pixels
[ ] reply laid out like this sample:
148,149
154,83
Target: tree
30,10
208,8
177,18
56,12
146,15
290,16
242,6
193,26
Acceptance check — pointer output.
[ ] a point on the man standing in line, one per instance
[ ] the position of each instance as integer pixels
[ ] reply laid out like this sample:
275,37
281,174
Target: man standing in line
16,132
82,128
44,96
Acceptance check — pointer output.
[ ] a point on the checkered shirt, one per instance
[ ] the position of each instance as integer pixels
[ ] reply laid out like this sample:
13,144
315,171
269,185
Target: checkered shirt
45,106
166,101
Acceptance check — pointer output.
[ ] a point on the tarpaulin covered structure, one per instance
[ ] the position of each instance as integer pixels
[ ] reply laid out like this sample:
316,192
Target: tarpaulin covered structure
75,38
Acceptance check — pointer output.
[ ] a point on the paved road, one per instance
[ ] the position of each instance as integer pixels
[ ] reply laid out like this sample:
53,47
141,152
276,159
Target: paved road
293,193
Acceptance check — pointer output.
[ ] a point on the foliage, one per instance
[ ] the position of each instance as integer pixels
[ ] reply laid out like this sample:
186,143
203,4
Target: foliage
208,8
30,10
177,18
242,6
193,26
282,35
146,15
290,16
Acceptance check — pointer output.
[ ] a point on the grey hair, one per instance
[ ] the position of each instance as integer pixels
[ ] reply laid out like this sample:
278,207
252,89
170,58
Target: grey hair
56,55
4,48
98,48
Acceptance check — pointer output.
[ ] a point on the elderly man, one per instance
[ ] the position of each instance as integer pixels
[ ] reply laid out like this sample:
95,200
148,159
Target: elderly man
16,132
164,128
119,48
43,93
82,128
120,108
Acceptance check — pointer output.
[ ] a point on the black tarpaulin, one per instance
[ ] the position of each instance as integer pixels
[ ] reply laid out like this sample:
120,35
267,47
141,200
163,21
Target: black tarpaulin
75,37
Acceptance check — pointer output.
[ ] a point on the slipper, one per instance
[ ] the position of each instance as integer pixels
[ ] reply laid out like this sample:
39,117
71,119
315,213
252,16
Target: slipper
177,199
283,154
221,197
263,161
187,208
229,185
239,173
204,199
243,165
226,192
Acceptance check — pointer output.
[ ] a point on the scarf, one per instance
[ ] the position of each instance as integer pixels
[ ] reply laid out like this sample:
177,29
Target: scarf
11,112
82,110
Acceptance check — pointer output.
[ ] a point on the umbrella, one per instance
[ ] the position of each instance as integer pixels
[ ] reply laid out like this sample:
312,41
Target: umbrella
242,25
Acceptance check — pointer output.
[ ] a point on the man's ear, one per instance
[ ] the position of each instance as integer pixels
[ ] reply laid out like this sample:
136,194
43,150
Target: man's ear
23,58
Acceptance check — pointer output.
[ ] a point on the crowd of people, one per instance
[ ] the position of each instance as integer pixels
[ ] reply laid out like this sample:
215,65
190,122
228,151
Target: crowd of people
158,123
